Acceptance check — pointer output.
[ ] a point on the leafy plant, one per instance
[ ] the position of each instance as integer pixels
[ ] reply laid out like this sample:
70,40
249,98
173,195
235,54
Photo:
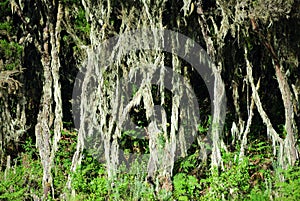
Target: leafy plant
90,180
186,187
289,189
232,183
22,181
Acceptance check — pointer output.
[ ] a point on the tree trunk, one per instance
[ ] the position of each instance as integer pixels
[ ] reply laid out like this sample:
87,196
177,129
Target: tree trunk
48,44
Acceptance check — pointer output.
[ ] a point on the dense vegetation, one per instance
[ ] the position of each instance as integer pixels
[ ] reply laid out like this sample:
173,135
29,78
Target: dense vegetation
60,141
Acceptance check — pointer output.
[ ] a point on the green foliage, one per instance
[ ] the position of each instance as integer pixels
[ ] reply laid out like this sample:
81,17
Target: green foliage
188,163
186,187
10,51
5,9
233,183
258,194
203,128
130,184
253,178
63,160
81,23
29,147
6,26
134,141
20,182
76,18
90,180
289,189
247,179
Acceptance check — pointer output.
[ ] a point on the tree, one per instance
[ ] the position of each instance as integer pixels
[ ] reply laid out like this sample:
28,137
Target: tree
42,22
12,104
118,49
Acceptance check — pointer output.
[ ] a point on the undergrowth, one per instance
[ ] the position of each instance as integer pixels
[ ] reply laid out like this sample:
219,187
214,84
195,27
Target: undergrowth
254,177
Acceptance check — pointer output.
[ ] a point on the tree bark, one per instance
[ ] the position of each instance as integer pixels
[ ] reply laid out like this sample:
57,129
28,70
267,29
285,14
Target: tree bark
47,42
291,154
